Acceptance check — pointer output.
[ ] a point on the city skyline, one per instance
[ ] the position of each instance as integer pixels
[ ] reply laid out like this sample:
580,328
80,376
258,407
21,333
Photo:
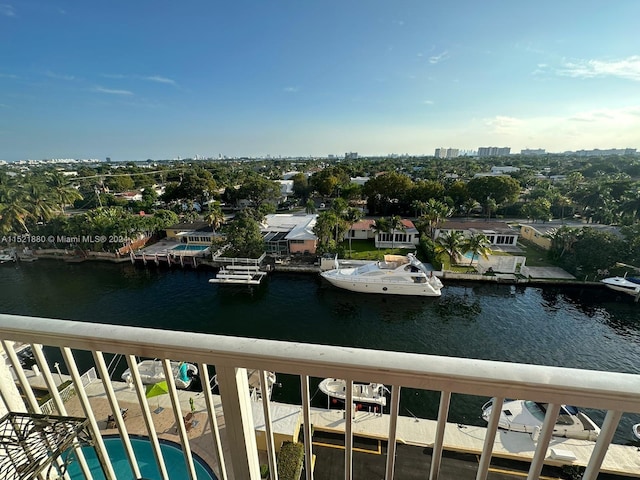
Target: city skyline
142,80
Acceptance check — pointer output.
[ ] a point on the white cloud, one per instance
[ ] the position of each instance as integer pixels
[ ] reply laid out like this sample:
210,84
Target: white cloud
428,102
503,124
111,91
59,76
291,89
159,79
8,75
438,58
628,68
7,10
148,78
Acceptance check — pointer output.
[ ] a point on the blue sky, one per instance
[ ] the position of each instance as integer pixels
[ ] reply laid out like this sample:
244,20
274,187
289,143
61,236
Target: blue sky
156,79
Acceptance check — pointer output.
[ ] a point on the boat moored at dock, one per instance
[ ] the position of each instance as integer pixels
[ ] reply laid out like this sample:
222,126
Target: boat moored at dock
628,285
362,392
395,275
151,371
527,417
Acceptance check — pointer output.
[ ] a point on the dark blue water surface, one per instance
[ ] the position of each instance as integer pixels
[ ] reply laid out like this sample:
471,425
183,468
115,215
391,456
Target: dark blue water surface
570,327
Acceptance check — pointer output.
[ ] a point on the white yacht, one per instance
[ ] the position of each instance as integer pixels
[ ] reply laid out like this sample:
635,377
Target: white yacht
629,285
362,392
151,372
527,417
396,275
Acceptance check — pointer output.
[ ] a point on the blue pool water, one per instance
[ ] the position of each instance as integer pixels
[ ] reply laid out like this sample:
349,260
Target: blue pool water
189,248
172,453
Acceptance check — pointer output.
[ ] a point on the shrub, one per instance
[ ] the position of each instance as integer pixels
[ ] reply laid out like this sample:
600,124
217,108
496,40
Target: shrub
290,460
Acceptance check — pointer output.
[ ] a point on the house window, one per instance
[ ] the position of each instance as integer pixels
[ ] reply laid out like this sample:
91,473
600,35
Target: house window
296,242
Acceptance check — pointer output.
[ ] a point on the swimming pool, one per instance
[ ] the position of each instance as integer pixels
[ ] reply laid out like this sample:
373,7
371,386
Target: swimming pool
171,451
189,248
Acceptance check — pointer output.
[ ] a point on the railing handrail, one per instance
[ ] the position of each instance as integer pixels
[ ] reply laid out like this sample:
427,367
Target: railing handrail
585,388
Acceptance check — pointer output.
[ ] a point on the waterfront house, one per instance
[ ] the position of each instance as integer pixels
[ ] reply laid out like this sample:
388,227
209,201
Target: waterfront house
287,234
538,234
408,237
194,233
499,234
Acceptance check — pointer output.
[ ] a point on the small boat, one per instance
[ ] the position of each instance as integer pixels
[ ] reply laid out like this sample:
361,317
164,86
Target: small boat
151,372
396,275
255,391
636,430
362,392
7,257
628,285
527,417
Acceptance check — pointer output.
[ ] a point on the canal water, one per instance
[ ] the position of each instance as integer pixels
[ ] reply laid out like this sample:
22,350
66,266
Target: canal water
570,327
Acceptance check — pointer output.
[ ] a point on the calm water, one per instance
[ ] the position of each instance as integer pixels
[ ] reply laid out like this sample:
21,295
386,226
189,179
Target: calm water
590,328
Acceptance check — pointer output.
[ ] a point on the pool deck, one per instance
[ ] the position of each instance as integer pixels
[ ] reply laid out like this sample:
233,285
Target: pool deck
620,459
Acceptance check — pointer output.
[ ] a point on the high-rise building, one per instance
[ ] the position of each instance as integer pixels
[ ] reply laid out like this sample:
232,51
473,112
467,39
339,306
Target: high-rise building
532,151
493,151
447,152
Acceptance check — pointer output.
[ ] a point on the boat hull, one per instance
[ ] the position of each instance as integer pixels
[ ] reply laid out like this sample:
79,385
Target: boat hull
362,393
516,417
417,289
621,284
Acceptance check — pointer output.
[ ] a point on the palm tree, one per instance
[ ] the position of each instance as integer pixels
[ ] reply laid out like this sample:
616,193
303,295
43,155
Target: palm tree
13,212
450,244
352,215
418,206
39,205
380,225
63,193
435,212
310,207
215,218
469,205
395,224
479,245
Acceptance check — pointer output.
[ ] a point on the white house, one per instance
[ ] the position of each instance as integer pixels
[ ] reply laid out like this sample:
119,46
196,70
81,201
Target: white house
407,238
498,233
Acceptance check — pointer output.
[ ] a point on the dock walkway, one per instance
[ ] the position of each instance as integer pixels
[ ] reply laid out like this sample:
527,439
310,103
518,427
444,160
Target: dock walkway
620,459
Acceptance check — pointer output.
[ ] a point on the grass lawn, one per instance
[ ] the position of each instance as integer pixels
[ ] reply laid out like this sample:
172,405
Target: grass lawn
536,256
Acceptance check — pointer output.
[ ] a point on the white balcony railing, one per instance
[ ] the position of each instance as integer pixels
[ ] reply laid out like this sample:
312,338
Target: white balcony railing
236,454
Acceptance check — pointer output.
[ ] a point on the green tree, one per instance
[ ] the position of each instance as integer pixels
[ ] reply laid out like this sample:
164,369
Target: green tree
13,211
502,190
450,244
62,192
243,233
479,246
538,209
352,215
310,207
214,217
301,187
381,225
387,192
395,225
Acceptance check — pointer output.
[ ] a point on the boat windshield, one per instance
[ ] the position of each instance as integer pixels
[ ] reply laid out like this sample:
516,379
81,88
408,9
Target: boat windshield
536,410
